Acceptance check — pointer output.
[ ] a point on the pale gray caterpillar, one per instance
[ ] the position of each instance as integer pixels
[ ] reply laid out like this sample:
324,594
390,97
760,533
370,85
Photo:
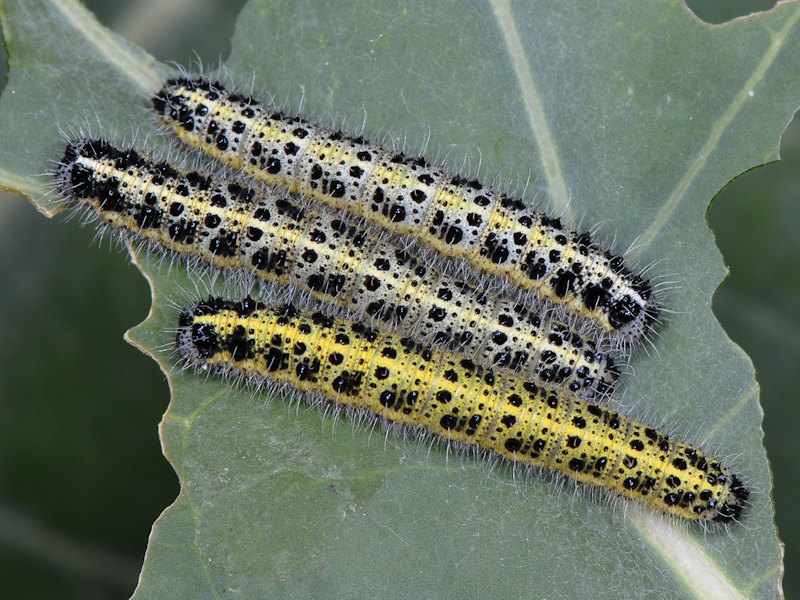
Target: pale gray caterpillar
276,239
459,218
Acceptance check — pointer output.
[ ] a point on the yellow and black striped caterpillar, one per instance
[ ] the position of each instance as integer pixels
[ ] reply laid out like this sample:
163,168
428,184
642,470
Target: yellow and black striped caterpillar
395,378
460,218
271,236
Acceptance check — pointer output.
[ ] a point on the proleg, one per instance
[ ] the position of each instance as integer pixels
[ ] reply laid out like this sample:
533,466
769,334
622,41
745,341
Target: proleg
397,379
460,218
276,239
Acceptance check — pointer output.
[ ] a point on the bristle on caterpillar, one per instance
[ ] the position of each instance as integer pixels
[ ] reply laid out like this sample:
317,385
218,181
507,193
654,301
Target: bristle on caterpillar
397,379
276,239
461,219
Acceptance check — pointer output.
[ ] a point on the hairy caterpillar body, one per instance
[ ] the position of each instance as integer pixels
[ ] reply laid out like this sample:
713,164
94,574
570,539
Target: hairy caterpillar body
460,218
229,226
393,377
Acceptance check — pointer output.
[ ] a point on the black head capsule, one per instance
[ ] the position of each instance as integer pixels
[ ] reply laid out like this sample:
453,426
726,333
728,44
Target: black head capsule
731,508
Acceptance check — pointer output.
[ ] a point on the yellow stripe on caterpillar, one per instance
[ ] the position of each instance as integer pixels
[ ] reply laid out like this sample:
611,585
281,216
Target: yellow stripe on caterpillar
229,226
395,378
462,219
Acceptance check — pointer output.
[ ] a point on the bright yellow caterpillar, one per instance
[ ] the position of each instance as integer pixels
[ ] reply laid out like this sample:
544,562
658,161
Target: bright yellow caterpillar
462,219
395,378
271,236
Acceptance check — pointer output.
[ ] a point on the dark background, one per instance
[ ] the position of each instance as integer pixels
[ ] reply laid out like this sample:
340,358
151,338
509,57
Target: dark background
82,477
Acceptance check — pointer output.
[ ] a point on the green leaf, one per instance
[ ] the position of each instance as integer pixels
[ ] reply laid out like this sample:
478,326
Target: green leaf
629,114
759,306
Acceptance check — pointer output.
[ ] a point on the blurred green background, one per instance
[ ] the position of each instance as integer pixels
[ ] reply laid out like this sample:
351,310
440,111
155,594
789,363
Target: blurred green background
82,477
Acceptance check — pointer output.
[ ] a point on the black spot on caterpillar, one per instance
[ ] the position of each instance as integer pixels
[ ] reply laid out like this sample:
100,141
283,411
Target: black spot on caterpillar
464,219
395,378
229,226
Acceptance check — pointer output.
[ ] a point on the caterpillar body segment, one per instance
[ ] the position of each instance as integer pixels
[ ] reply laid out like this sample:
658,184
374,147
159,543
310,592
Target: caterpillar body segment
460,218
277,239
396,378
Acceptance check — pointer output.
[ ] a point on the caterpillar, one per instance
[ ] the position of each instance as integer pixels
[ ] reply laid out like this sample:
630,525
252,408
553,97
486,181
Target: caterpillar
269,235
460,218
401,381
